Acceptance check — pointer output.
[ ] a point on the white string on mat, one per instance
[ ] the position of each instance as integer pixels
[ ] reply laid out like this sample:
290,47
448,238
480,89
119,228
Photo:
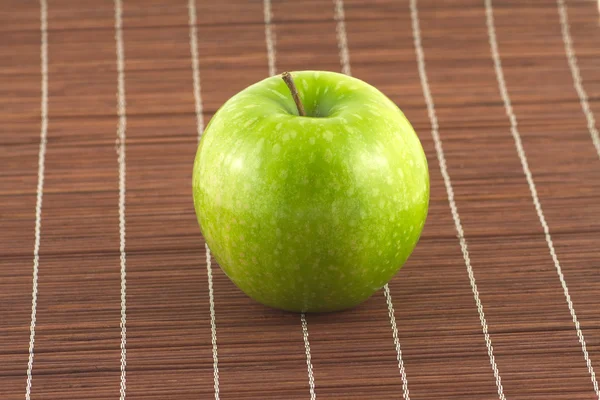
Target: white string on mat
575,73
121,136
40,187
269,36
192,21
489,11
450,191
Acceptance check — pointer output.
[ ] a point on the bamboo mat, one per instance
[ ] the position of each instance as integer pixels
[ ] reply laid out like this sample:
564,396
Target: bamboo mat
124,303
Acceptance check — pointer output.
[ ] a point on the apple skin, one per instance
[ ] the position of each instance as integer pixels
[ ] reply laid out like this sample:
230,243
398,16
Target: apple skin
310,213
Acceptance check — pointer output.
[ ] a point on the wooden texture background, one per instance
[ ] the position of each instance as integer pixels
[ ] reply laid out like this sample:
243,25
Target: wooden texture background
77,350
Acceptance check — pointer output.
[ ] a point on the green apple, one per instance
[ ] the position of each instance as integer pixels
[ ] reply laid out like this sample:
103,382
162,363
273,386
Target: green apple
310,213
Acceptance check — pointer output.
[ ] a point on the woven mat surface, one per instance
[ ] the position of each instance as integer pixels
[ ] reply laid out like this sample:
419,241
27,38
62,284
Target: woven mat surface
98,236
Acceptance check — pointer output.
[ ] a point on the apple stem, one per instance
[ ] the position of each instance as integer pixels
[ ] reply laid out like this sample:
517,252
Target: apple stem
287,78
